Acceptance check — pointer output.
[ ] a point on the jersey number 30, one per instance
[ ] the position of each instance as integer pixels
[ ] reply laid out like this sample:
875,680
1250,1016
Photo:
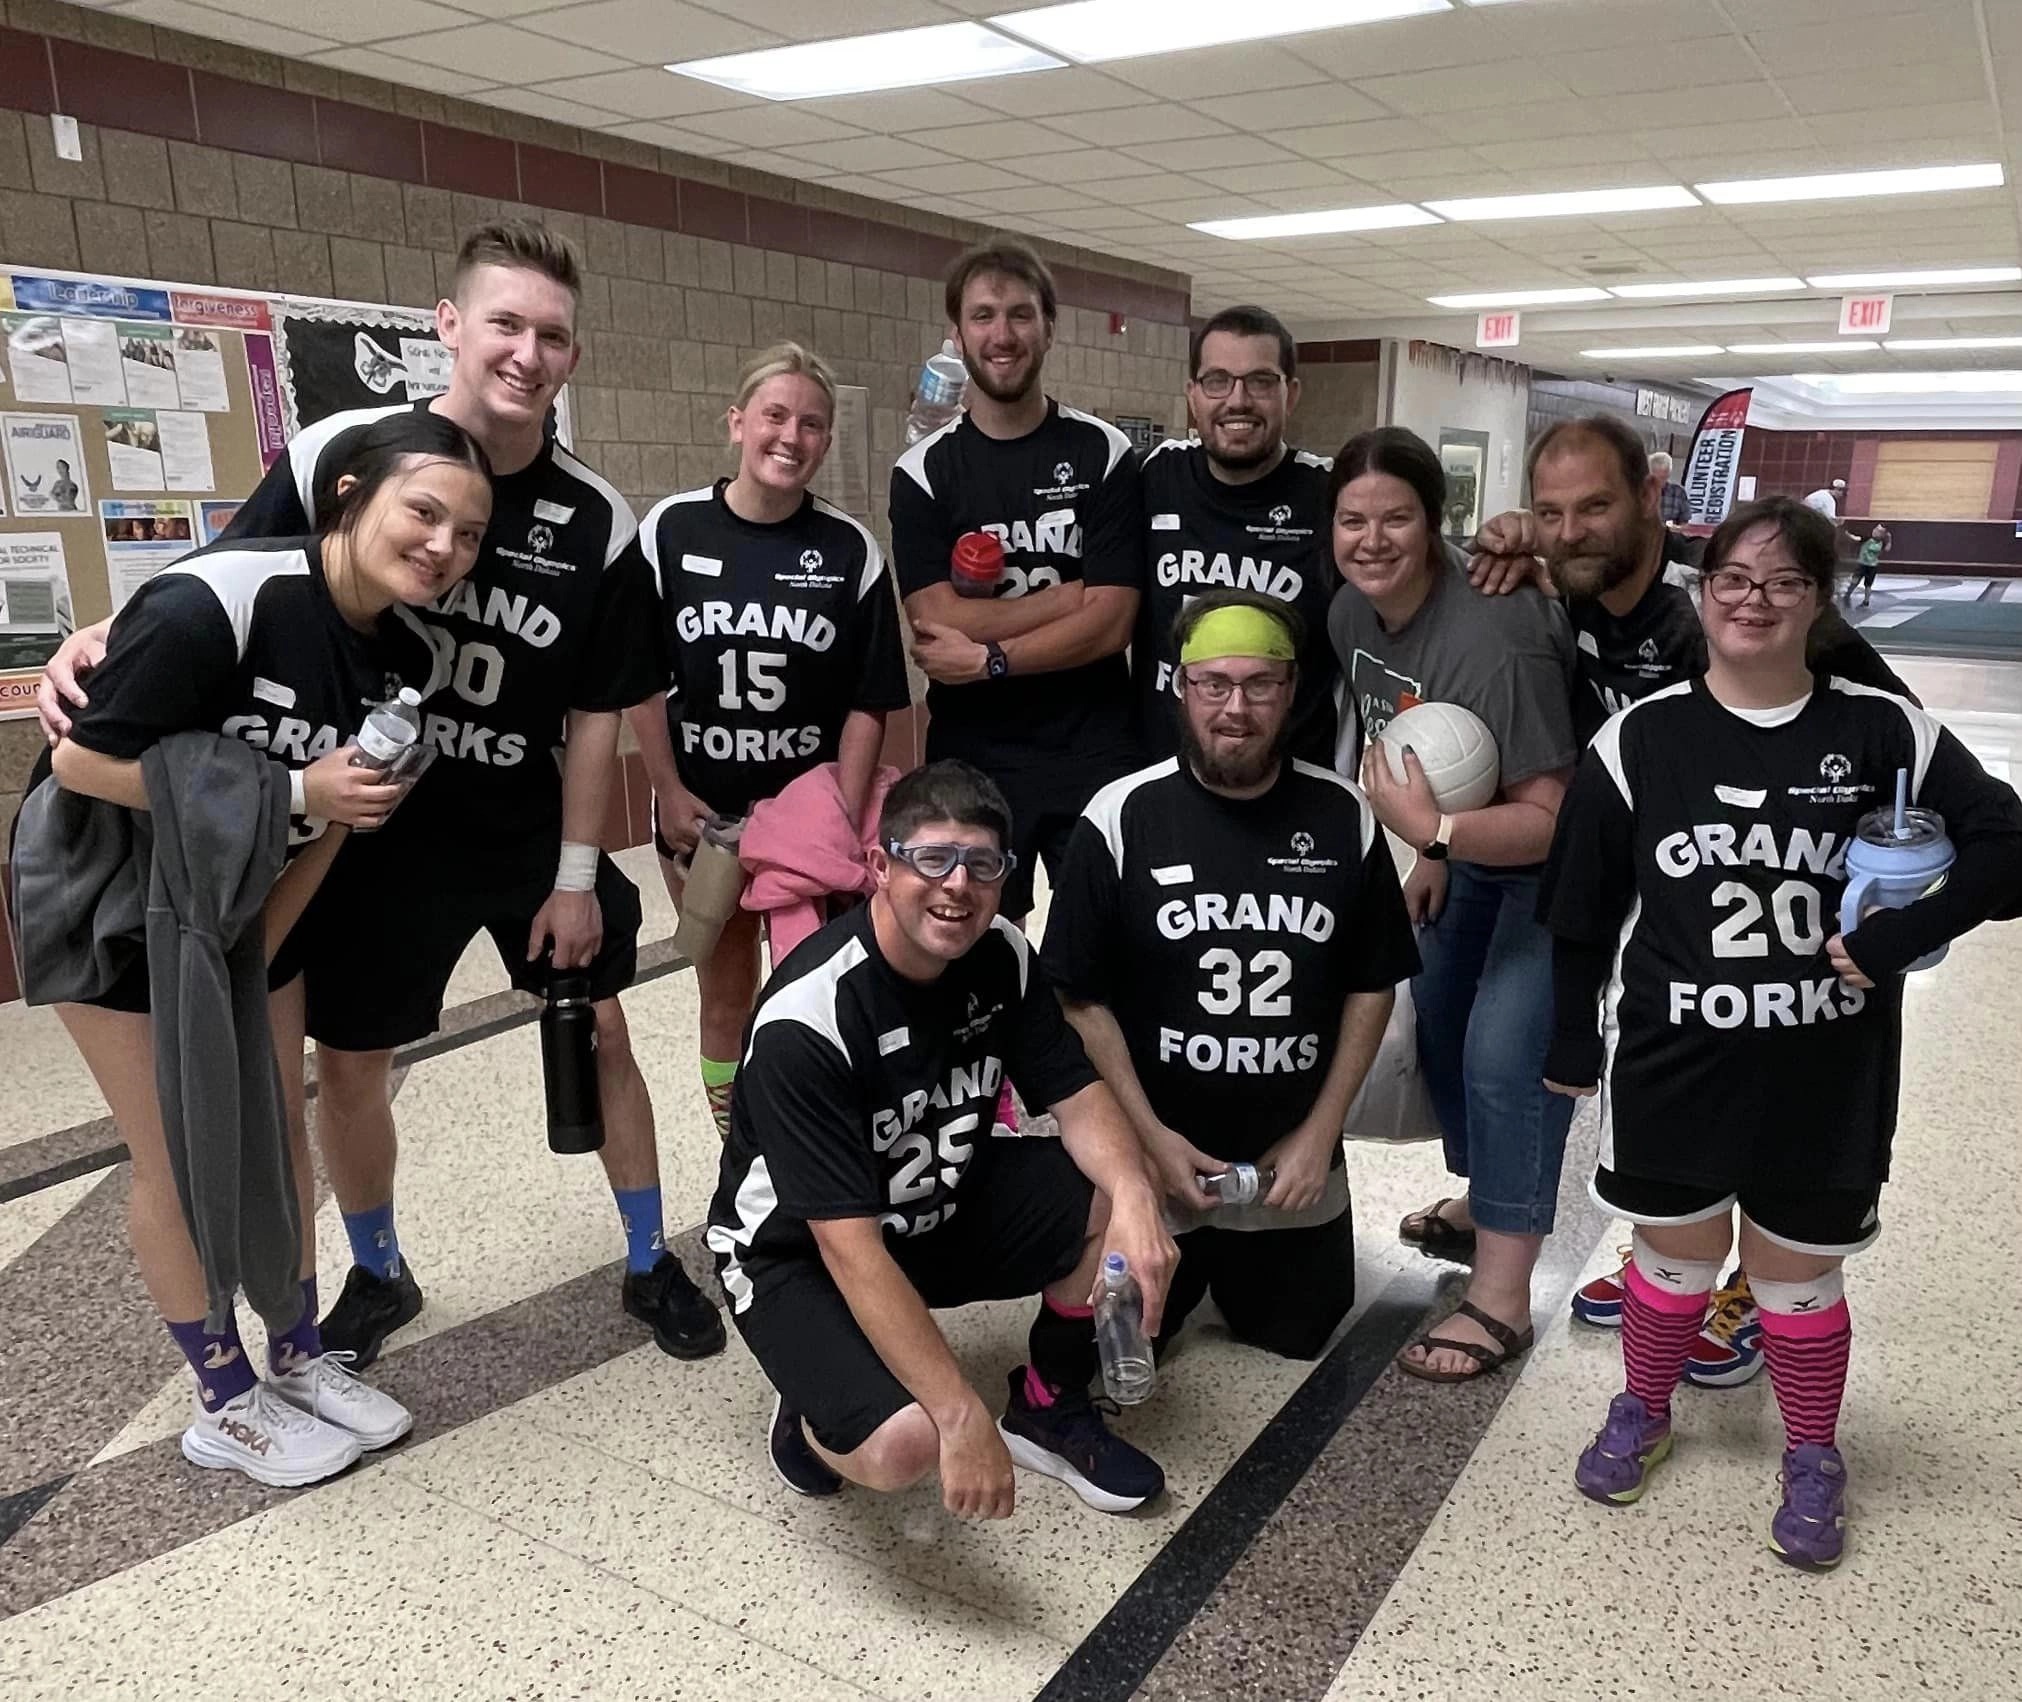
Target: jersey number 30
1223,995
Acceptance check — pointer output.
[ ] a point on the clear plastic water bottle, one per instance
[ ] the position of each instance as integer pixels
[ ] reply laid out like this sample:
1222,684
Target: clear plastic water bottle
1127,1369
390,732
944,382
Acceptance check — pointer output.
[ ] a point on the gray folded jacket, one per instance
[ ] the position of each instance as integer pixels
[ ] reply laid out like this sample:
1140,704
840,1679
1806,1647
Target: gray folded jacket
186,881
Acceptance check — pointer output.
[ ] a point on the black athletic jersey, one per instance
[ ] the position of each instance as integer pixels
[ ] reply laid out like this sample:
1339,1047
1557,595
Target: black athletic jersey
1274,536
863,1094
558,614
773,634
1225,935
243,640
1709,848
1063,500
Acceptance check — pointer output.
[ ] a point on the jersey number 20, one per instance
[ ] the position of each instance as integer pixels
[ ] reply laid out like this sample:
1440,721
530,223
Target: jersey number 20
1796,906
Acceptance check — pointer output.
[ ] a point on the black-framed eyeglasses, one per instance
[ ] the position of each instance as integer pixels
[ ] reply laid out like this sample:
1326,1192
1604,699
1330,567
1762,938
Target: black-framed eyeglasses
1262,385
1216,688
1730,588
985,863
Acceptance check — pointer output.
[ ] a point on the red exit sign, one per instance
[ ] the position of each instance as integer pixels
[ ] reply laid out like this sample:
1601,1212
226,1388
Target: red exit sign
1497,330
1865,315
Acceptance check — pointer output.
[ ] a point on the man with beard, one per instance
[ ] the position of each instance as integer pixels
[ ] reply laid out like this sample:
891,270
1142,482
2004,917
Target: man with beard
1240,509
1227,936
1029,685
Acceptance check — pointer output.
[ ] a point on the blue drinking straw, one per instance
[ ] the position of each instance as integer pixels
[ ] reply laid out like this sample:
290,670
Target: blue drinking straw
1902,803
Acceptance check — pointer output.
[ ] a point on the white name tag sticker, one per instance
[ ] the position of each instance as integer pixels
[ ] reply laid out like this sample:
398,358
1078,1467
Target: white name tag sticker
1165,522
553,511
1588,643
709,565
892,1040
1175,874
272,691
1740,799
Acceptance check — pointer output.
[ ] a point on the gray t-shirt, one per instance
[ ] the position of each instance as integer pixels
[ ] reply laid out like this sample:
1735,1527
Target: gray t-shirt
1509,659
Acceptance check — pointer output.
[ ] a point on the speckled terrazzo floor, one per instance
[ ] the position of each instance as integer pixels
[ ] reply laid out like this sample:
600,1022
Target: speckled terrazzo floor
579,1516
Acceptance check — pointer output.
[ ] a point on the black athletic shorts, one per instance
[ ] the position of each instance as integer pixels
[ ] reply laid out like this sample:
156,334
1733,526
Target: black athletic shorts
1023,1224
130,991
382,945
1829,1222
1045,805
1284,1290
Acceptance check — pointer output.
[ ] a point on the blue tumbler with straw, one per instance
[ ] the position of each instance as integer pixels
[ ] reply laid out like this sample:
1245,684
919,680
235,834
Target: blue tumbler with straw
1896,858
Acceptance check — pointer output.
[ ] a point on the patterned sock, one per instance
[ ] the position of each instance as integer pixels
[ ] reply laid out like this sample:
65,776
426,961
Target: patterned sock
1659,1326
223,1371
294,1348
645,1238
373,1241
717,1078
1062,1346
1807,1337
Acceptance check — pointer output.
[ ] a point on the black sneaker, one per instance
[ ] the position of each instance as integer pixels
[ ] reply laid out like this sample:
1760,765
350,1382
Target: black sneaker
684,1322
369,1310
800,1468
1068,1440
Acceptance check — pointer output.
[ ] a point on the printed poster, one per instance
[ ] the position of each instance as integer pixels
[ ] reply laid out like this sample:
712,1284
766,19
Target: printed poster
147,358
142,538
133,447
96,378
35,357
427,363
89,298
35,608
213,518
46,473
186,452
200,370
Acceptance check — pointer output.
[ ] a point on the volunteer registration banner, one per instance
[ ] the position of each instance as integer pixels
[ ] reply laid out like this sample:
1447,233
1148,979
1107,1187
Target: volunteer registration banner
1714,466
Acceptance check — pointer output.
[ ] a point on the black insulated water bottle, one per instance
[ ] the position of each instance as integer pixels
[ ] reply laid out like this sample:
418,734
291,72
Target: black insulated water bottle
569,1063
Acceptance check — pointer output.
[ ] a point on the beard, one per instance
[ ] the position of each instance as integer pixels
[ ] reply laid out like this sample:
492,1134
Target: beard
987,382
1591,573
1236,770
1262,446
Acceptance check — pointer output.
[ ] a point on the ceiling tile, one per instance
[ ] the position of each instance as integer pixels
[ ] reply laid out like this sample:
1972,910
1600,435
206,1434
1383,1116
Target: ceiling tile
1210,71
1163,122
1218,151
500,53
1349,141
1158,186
999,139
673,136
891,111
369,20
647,92
1034,198
551,107
1460,37
649,32
796,20
1085,165
251,32
868,153
1044,94
1290,174
1316,103
774,124
954,178
370,62
781,165
1623,70
1911,35
1489,90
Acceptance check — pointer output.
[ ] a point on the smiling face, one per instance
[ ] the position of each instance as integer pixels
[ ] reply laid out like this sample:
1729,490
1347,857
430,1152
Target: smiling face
1755,633
1382,538
513,332
782,432
1234,745
938,921
1596,529
1244,427
1003,335
420,531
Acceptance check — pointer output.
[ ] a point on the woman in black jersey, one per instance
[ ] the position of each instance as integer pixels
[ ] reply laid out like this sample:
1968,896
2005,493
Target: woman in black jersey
783,645
287,645
1746,1051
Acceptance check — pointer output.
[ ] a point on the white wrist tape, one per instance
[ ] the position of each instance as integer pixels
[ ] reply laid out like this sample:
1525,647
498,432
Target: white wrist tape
298,793
577,871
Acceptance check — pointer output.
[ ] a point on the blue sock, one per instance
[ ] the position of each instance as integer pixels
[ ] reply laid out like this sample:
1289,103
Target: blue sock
373,1242
223,1371
639,1211
294,1348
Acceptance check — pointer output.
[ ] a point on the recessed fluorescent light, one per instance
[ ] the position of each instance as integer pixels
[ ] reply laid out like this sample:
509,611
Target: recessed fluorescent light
891,59
1566,203
1915,383
1716,286
1392,216
1840,346
1660,351
1914,280
1842,185
1916,345
1095,30
1517,298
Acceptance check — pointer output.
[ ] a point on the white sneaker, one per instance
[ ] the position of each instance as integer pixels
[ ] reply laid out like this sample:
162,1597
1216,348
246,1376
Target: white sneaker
269,1440
327,1388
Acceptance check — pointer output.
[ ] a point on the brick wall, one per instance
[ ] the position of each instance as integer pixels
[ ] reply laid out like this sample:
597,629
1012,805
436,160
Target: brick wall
208,163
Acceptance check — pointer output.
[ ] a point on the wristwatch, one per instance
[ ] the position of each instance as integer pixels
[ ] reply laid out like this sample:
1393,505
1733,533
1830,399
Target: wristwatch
1437,850
995,661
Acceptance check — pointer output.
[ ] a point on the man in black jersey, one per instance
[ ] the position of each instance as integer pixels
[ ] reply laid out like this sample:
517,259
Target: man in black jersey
550,638
1030,685
866,1180
1240,509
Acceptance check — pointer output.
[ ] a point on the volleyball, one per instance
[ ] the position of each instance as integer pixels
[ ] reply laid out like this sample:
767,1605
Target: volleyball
1453,746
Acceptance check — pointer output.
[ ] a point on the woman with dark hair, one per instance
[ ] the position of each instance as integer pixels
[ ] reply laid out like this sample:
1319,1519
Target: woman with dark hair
287,645
1746,1051
1409,628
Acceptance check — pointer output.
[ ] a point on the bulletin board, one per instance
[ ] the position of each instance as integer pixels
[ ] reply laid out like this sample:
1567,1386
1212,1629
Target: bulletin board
135,416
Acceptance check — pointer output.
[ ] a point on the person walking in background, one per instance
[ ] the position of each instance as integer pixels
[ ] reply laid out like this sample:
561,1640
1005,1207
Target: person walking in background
1873,547
1674,507
1826,500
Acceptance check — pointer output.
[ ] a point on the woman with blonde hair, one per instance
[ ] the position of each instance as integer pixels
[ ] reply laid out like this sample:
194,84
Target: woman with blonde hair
783,654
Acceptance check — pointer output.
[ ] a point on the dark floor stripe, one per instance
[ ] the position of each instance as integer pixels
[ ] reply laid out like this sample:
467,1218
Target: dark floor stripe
1115,1657
16,1510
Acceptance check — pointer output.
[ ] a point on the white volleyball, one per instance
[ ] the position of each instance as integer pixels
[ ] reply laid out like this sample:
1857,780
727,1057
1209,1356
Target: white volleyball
1454,747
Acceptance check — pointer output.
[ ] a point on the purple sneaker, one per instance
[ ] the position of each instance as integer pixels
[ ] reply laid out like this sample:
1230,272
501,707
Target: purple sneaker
1617,1464
1809,1529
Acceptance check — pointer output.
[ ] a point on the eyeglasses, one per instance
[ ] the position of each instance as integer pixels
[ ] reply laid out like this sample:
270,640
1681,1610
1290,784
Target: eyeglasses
1262,385
1730,588
1258,688
985,863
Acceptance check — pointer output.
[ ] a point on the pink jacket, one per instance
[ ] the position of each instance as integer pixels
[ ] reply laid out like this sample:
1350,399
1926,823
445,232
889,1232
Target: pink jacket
798,848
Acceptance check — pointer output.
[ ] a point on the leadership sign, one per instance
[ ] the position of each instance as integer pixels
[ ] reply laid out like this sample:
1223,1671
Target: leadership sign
1715,462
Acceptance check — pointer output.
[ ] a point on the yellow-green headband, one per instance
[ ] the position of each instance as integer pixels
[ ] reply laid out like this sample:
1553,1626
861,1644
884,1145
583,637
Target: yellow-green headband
1238,631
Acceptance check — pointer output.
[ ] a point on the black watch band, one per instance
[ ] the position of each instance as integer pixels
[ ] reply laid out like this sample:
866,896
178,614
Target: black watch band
996,662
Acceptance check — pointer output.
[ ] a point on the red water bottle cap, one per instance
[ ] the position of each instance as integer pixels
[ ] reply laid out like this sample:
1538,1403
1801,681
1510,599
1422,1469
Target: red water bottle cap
978,559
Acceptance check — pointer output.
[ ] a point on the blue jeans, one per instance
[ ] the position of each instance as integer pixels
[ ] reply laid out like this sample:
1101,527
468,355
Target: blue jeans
1484,1001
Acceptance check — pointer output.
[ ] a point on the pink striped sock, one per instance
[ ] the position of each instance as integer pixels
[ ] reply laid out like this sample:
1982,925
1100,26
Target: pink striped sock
1659,1327
1808,1354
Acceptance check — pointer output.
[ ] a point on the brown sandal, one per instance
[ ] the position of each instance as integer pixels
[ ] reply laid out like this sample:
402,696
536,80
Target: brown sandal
1485,1359
1436,1236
